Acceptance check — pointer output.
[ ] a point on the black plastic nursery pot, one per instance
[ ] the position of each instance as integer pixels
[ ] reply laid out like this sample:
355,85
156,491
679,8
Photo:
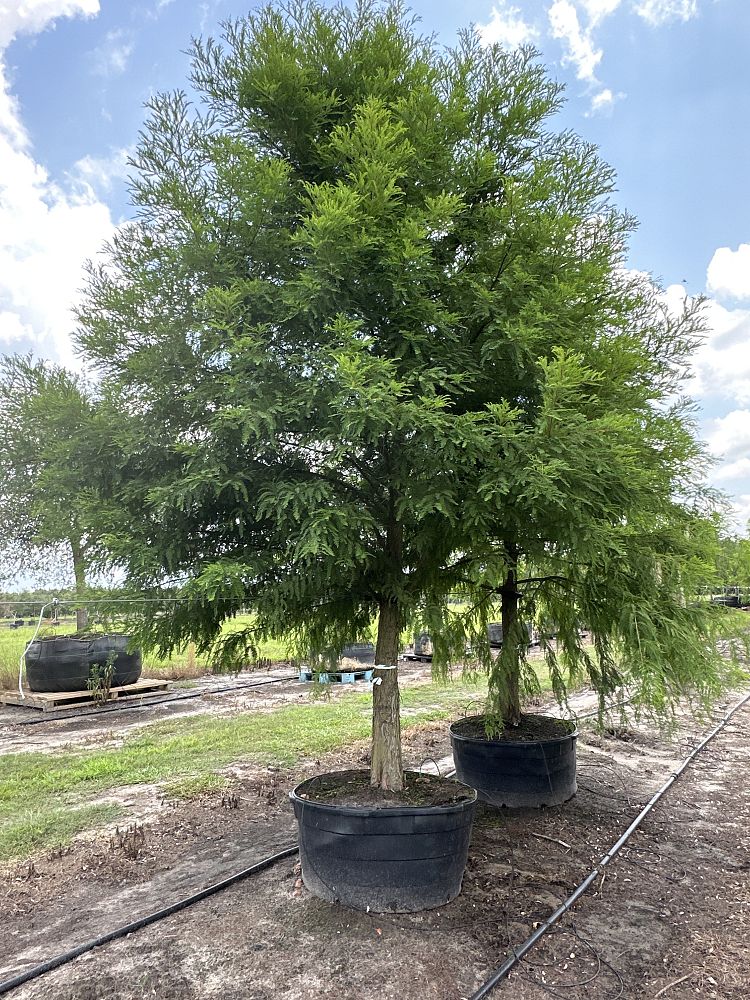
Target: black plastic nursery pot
395,859
65,663
516,774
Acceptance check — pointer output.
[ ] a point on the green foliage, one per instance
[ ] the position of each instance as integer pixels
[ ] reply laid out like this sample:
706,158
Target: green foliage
377,346
100,679
733,567
55,454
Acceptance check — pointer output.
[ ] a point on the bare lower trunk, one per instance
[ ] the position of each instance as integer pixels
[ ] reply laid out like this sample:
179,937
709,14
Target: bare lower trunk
387,769
505,693
79,573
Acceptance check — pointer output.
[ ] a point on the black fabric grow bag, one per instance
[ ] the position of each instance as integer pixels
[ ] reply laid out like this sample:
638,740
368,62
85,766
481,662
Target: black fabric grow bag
528,773
396,860
64,663
363,652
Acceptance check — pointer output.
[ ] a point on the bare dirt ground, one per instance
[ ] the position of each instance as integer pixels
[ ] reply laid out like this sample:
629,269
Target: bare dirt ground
671,917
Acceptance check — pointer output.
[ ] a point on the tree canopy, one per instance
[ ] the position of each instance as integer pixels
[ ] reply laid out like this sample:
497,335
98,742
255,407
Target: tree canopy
54,459
377,344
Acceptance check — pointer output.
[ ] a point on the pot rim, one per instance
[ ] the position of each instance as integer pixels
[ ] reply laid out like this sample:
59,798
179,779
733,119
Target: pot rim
369,812
83,638
512,743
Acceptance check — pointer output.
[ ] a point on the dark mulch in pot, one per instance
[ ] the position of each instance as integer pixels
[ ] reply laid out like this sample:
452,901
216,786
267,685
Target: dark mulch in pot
352,788
531,728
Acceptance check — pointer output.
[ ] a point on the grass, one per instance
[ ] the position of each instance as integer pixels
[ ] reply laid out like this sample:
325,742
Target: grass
195,786
33,830
12,644
45,799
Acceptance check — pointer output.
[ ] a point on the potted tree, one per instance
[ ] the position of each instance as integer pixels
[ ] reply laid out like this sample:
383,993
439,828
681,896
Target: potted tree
371,344
629,583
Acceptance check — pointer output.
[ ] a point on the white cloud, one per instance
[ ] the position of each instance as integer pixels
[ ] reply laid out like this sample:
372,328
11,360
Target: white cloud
154,13
721,366
574,24
111,57
603,101
46,232
29,17
208,13
12,329
658,12
94,174
732,471
729,439
729,272
722,362
507,27
577,41
597,10
740,513
720,381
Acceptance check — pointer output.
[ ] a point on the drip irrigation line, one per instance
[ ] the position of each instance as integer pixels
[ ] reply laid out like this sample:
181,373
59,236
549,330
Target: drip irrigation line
73,603
135,925
607,708
518,953
149,704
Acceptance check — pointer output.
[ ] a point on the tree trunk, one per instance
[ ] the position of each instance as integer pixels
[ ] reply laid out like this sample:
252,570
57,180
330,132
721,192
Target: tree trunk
387,768
505,693
79,573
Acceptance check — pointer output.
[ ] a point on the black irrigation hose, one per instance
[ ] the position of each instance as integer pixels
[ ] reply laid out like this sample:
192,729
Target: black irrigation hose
135,925
148,704
518,953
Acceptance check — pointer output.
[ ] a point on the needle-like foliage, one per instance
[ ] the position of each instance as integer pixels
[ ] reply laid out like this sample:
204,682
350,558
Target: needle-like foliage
377,344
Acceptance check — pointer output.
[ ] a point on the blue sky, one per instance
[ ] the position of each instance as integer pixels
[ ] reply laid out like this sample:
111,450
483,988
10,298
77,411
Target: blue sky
661,86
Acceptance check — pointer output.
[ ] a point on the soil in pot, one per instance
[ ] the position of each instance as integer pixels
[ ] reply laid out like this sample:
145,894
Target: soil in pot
530,729
353,788
383,851
530,765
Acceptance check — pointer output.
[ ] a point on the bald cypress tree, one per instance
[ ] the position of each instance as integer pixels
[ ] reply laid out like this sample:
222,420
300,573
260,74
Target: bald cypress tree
376,343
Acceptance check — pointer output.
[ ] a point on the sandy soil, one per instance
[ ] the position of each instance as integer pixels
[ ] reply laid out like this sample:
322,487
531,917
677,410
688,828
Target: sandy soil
670,919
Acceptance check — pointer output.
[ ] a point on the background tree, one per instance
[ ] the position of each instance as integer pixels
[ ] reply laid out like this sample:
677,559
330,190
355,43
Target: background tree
733,564
375,338
52,462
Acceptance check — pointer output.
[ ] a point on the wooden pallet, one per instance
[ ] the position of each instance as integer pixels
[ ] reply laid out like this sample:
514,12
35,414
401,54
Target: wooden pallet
53,701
